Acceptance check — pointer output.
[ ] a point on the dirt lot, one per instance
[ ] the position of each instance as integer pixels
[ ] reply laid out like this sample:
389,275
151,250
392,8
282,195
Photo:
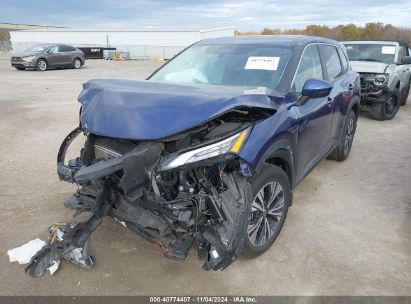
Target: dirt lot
348,232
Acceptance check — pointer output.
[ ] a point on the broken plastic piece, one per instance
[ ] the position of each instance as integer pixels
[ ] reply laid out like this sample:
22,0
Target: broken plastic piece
53,268
24,253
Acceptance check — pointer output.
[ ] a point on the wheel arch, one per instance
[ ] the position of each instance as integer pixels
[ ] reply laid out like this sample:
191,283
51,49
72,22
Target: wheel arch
355,105
77,57
282,158
42,58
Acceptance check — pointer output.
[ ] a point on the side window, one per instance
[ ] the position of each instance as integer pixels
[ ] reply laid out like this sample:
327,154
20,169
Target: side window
309,67
344,61
332,61
53,50
66,48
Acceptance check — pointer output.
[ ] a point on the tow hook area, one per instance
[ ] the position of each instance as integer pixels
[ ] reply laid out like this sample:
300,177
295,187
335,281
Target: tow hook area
71,242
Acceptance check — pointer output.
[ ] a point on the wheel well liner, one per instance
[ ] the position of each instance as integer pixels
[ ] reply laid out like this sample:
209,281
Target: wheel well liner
282,159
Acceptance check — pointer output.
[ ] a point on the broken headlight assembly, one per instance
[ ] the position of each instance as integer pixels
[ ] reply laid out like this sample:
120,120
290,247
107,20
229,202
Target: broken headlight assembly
224,149
380,80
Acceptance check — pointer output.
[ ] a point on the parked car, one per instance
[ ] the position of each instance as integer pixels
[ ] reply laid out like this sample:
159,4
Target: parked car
44,56
207,151
385,69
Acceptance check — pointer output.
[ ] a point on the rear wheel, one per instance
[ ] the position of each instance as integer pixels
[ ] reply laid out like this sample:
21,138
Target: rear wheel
41,65
388,109
76,63
405,95
342,150
271,199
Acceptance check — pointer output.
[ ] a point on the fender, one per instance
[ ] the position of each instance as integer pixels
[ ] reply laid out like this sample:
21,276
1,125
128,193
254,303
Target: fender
283,151
354,101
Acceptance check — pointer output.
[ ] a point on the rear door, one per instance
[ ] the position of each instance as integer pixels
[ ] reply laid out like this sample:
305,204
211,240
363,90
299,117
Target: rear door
336,67
315,116
65,54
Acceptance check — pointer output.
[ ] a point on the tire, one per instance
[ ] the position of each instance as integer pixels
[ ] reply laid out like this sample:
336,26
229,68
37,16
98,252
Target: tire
388,109
405,95
343,148
76,63
258,239
20,68
41,65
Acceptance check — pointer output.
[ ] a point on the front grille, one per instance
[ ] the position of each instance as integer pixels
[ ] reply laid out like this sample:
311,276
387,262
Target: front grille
367,86
16,59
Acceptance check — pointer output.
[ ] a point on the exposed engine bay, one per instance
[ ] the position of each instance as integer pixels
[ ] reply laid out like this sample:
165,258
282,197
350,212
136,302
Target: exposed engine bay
190,189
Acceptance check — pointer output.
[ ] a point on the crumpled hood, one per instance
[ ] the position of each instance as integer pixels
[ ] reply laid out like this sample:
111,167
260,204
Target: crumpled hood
368,66
148,110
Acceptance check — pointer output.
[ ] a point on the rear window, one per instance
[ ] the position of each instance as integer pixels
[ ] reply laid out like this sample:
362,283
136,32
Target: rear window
332,60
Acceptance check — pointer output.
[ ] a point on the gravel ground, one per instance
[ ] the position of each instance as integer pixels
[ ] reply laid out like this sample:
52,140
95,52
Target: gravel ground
347,233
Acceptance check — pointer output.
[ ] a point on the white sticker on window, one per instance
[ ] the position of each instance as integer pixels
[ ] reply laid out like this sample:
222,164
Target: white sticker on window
262,63
349,47
388,49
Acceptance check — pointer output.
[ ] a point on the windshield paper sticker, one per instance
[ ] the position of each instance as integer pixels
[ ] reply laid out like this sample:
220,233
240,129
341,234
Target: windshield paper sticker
388,49
262,63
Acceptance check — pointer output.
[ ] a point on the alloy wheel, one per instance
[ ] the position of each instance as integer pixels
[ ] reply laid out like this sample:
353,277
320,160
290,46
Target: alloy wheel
266,212
42,65
349,136
77,64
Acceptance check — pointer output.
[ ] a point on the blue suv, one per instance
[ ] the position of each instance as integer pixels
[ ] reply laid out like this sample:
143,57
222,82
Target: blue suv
207,150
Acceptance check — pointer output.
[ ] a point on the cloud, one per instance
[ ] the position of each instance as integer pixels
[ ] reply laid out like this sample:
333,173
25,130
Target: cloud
245,15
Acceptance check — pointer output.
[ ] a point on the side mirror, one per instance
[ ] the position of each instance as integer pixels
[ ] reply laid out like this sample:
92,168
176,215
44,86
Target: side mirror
406,60
315,88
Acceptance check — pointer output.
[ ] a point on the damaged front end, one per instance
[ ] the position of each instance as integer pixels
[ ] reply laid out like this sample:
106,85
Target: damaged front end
190,189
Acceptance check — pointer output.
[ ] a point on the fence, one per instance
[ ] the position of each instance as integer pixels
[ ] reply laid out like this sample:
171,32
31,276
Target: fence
5,47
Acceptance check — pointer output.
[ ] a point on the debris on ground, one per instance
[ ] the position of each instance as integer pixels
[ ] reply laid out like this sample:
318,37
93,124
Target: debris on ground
24,253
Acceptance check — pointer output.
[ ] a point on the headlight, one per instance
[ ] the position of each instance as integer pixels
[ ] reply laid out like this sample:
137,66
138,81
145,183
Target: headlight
380,80
28,58
232,144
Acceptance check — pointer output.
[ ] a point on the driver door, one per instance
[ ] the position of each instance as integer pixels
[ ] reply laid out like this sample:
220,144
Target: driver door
315,115
53,56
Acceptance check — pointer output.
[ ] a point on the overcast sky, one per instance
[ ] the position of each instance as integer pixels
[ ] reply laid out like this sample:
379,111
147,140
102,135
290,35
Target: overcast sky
244,15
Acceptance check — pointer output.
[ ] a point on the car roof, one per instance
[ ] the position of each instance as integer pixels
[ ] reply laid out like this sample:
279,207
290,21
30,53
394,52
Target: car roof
282,40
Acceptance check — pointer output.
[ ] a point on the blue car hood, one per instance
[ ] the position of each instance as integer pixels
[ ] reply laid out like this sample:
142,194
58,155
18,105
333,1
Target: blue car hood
148,110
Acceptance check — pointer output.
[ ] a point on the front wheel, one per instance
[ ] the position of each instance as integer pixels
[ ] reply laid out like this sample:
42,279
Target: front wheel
388,109
41,65
271,198
343,148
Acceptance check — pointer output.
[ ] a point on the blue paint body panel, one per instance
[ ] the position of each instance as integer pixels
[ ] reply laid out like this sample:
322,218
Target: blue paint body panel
302,135
148,110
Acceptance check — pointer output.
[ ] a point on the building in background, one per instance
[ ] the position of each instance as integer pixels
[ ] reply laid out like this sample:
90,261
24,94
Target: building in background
6,28
146,43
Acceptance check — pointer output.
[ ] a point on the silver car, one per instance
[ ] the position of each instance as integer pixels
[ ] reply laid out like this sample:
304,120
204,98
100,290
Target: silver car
44,56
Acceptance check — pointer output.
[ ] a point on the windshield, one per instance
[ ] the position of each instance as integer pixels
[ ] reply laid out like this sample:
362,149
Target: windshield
245,65
371,52
37,48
